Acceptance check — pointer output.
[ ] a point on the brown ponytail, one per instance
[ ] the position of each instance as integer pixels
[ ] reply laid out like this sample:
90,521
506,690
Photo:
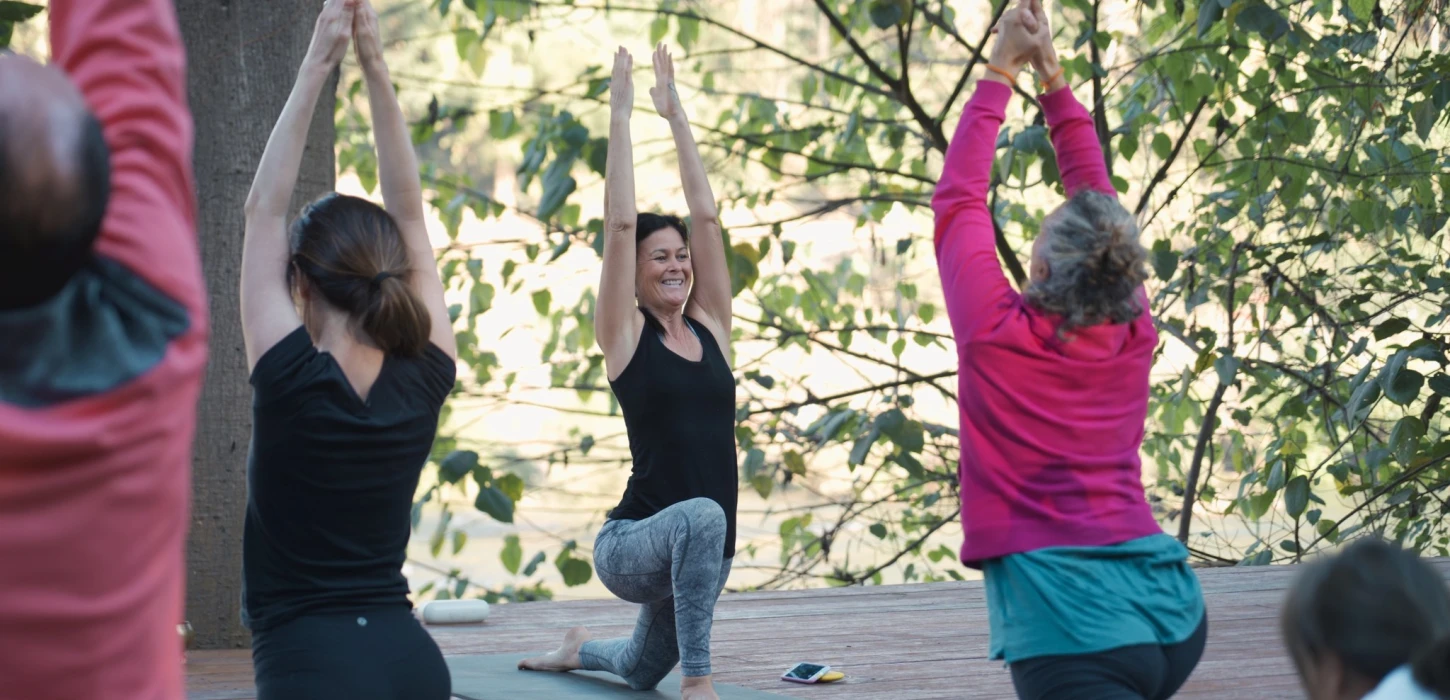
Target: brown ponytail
351,251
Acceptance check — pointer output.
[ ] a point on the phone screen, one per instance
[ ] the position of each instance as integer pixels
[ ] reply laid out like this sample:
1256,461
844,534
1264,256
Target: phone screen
804,671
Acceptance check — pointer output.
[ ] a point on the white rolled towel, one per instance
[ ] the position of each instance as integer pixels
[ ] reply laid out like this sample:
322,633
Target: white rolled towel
453,612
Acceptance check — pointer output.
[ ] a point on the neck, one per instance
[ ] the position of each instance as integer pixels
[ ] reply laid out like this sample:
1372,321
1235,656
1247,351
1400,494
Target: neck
672,320
331,330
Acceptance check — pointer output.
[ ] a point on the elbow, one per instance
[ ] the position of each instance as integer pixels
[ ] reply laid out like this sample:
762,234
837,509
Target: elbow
705,219
253,208
619,225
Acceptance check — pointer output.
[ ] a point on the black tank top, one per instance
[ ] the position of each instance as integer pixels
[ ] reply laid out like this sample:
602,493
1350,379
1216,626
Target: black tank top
680,417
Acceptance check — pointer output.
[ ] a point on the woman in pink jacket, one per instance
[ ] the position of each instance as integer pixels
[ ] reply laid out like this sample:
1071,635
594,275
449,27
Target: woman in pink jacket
1087,597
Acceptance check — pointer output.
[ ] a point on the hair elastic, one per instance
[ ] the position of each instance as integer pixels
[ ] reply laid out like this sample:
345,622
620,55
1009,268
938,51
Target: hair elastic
1002,73
378,278
1047,82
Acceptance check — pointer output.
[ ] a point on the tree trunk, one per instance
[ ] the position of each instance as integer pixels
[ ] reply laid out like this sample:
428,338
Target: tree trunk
242,61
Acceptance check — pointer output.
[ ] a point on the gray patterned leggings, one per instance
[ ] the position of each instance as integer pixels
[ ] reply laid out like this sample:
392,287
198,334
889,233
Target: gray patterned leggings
671,563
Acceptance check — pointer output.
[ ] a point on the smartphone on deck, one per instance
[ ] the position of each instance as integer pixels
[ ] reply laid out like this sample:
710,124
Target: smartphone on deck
805,673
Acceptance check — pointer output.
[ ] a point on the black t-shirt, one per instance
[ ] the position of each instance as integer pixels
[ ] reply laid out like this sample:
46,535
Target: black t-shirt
331,479
680,417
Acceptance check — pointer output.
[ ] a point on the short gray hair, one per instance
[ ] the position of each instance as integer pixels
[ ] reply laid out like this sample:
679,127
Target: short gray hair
1095,263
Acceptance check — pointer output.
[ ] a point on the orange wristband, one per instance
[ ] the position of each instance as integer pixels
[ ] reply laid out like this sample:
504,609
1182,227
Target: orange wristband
1003,73
1055,76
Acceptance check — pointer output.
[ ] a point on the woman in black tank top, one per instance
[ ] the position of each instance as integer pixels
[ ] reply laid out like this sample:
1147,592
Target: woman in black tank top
346,397
669,543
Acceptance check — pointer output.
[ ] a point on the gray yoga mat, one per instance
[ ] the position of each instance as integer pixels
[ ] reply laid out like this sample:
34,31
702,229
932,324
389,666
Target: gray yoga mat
496,677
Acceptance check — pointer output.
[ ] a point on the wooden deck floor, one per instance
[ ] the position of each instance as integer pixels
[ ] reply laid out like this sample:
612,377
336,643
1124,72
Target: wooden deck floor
899,642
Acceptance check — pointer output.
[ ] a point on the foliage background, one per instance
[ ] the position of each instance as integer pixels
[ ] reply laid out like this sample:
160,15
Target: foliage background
1287,162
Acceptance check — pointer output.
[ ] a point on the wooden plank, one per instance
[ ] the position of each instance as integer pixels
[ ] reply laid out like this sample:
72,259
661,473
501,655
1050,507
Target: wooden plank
905,642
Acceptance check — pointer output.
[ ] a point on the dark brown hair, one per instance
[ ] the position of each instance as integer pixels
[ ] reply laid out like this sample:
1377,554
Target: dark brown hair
351,252
1095,263
50,228
1376,607
646,225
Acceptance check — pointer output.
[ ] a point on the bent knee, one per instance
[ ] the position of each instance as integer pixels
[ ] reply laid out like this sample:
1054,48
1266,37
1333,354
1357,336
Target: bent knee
703,514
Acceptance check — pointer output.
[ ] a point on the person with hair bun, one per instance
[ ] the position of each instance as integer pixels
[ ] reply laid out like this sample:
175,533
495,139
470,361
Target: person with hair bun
1087,596
1371,622
352,355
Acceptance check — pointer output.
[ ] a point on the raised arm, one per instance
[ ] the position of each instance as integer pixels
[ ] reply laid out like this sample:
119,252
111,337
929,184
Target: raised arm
616,320
126,58
710,300
398,176
1074,137
268,314
975,289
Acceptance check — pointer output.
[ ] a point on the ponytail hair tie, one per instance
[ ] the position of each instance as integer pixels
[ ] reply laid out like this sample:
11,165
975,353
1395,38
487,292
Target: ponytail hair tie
378,278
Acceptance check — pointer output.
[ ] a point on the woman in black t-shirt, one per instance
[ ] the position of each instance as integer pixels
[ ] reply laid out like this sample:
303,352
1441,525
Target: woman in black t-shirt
346,401
669,543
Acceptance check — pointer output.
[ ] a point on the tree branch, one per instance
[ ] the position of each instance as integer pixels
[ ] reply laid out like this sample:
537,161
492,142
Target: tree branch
1172,158
1210,415
930,126
821,400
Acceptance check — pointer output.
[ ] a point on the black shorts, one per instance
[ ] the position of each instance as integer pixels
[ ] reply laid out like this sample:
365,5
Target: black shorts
1142,672
382,654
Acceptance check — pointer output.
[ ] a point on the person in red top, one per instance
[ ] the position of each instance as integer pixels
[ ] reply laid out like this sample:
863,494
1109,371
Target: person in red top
103,316
1087,597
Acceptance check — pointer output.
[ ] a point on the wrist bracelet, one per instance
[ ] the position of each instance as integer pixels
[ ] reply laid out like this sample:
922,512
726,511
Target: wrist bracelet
1055,76
1003,73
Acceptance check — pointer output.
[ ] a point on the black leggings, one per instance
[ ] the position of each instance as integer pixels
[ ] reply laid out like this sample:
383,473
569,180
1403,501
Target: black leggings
1142,672
382,654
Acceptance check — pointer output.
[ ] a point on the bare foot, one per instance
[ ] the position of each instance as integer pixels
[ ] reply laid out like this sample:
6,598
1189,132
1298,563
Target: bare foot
565,658
697,688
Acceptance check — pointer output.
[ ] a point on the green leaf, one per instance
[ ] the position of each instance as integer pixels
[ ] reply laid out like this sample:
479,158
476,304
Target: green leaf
576,572
542,298
1209,13
886,13
1259,17
862,447
658,28
481,298
1405,438
512,486
558,185
534,563
502,124
1227,368
1162,147
1404,387
511,10
11,11
1362,8
1296,495
743,267
1165,260
1440,384
457,465
460,538
689,32
794,462
495,503
512,554
1328,529
878,530
1390,327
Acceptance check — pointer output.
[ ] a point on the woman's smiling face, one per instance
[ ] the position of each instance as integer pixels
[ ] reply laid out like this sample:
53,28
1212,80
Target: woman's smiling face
663,273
